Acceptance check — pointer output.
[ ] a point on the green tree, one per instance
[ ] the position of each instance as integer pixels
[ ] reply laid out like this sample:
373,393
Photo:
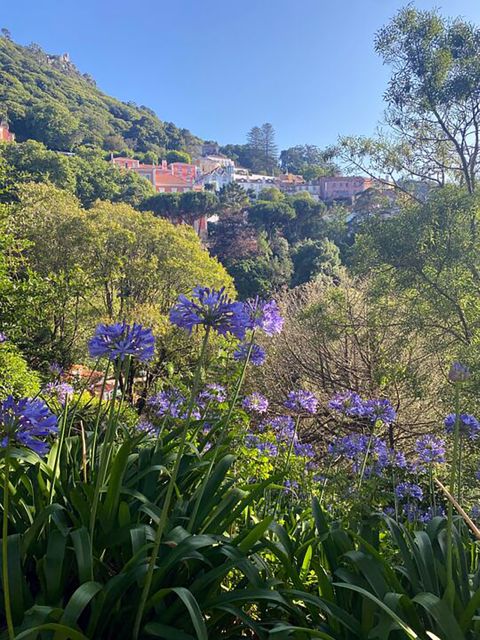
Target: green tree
262,148
232,198
314,258
16,378
433,103
77,268
272,217
52,124
178,156
309,161
429,255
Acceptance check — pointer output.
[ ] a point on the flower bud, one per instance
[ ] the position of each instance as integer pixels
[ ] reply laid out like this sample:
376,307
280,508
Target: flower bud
458,372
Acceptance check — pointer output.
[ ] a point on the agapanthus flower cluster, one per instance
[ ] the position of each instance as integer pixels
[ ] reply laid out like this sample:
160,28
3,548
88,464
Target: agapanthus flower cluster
252,441
301,401
264,315
430,449
475,512
62,391
3,337
468,425
26,423
290,486
212,392
356,446
171,403
283,427
348,403
398,459
303,449
380,409
255,402
146,426
458,372
353,406
55,369
120,340
409,491
210,308
257,354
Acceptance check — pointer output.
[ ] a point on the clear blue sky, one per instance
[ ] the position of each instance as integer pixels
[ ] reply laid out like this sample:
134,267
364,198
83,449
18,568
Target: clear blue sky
218,67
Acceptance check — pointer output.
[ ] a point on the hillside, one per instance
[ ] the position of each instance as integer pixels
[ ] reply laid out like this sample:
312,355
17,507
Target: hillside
46,98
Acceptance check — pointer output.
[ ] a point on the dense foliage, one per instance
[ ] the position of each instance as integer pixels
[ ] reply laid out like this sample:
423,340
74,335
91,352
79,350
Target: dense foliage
303,466
44,97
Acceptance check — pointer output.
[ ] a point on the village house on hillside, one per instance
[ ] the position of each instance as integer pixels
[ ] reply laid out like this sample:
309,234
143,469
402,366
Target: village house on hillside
177,177
5,134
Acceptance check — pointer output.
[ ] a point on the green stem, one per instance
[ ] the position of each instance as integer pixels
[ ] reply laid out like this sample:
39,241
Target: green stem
169,494
450,590
221,438
5,576
105,454
97,420
364,463
58,453
459,475
287,461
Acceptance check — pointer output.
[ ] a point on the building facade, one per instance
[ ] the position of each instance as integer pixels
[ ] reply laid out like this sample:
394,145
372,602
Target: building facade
177,177
5,134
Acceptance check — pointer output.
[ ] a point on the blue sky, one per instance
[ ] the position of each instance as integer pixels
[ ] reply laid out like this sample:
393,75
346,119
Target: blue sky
218,67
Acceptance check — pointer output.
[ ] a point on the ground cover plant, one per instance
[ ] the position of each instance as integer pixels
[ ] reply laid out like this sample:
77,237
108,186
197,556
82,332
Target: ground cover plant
204,514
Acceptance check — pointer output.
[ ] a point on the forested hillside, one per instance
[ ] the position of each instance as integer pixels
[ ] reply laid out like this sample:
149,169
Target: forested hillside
46,98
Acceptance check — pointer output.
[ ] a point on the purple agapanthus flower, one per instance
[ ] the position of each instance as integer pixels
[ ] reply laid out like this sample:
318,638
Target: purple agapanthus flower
408,491
120,340
55,369
356,446
430,449
255,402
458,372
257,354
171,403
146,426
282,426
268,448
304,450
301,401
290,486
398,459
468,425
62,391
210,308
379,409
212,392
348,403
475,512
264,315
353,406
25,423
430,513
3,337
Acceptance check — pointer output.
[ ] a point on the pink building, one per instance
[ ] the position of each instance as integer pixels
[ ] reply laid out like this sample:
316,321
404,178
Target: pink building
5,134
174,178
188,172
342,187
177,177
329,188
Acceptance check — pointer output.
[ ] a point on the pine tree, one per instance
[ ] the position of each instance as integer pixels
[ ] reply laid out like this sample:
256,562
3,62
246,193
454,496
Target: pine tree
270,149
255,148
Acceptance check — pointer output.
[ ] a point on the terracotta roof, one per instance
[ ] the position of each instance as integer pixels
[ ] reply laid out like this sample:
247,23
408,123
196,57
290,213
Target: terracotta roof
166,179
